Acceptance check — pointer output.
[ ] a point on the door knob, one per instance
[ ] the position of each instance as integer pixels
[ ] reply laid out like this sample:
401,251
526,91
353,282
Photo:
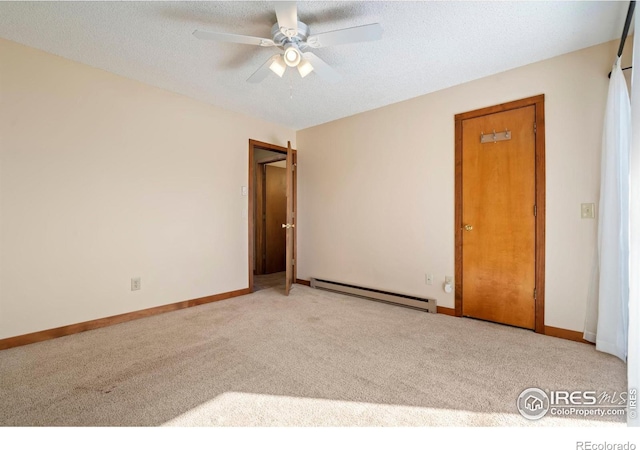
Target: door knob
468,227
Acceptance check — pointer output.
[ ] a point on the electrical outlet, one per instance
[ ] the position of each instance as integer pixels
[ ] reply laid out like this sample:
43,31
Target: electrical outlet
588,210
136,284
428,278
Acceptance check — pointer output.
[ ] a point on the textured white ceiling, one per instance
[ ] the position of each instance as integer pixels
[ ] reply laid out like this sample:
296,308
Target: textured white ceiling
426,46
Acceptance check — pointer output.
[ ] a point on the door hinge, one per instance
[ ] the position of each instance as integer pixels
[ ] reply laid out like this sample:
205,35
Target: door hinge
535,210
535,294
535,127
293,262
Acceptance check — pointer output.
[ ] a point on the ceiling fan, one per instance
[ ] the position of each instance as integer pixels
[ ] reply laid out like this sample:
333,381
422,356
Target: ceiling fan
294,39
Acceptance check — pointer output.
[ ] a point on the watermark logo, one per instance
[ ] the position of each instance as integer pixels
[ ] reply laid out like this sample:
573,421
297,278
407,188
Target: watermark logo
632,404
533,403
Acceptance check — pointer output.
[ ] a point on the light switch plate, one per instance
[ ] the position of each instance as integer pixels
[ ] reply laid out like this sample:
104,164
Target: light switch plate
244,191
588,210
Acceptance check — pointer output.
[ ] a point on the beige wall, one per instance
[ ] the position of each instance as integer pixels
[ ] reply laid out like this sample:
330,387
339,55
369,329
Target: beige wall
376,190
103,179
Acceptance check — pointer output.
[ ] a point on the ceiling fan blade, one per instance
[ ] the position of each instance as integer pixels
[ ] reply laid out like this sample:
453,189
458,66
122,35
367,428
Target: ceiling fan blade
323,69
264,70
287,14
235,38
371,32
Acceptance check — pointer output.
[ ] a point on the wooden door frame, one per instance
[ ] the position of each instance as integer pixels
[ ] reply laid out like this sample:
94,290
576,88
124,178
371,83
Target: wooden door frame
259,208
253,145
538,102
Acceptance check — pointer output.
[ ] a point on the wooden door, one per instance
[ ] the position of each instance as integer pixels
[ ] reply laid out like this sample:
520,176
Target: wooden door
498,218
275,208
290,224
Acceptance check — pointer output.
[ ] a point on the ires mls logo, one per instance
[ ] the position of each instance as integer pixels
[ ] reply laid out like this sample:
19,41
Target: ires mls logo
587,398
534,403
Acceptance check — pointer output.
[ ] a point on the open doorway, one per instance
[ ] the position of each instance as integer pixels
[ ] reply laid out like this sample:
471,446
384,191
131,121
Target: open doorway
268,224
270,213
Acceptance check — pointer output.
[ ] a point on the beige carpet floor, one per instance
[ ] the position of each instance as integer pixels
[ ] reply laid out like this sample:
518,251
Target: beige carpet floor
313,358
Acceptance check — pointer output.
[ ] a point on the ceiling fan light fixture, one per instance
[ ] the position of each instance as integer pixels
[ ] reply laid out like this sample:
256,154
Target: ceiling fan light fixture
304,68
278,66
292,55
293,38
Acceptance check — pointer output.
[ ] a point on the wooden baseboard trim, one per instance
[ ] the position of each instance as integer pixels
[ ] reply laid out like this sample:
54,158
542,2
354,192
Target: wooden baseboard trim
447,311
44,335
305,282
548,331
565,334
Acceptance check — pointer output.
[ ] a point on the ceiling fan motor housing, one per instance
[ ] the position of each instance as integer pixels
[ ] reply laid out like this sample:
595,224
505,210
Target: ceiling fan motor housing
300,39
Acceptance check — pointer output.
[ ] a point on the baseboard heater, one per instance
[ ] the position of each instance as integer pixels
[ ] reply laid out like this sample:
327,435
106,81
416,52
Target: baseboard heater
425,304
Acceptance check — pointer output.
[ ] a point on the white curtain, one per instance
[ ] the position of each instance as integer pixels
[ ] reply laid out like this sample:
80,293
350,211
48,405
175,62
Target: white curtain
607,314
633,358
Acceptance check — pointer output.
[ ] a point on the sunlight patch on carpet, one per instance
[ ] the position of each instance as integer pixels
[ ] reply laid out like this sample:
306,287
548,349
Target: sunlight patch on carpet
248,409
